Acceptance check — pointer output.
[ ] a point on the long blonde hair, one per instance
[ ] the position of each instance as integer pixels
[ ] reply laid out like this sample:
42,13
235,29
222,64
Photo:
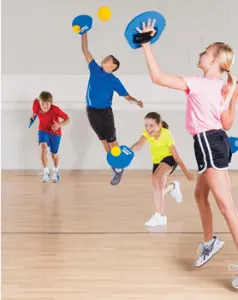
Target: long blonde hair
225,56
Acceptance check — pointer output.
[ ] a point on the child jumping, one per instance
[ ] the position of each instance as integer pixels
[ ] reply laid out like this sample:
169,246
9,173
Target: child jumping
210,109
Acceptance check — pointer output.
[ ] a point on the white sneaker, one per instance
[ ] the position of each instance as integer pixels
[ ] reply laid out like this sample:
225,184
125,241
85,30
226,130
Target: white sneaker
208,251
176,192
55,177
156,220
46,177
235,281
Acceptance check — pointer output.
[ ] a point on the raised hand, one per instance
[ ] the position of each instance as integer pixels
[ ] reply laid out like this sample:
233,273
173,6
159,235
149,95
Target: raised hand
149,27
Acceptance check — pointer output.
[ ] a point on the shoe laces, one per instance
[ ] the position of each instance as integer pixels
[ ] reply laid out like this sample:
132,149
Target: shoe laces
204,250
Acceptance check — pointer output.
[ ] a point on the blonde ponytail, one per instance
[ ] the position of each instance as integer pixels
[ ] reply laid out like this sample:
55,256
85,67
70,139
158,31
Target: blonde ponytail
231,84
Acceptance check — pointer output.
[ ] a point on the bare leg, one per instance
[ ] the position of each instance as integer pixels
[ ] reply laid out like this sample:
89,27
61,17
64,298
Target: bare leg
44,154
106,145
55,158
219,183
158,181
201,196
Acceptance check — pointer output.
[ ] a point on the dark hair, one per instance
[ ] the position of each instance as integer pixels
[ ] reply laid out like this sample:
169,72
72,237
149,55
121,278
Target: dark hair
46,97
116,62
157,117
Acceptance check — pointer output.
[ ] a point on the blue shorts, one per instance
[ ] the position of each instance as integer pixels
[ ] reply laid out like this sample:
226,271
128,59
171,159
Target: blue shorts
53,141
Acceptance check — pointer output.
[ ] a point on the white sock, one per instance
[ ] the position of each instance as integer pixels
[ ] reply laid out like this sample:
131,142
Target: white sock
46,170
209,242
55,169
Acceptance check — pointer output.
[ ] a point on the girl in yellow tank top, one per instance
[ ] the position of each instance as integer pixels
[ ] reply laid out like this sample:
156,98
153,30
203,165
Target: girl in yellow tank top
165,159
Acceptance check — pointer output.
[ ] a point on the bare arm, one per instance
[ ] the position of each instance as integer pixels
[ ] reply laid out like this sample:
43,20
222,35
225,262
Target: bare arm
57,125
156,73
64,122
85,50
228,116
179,161
158,76
134,100
139,144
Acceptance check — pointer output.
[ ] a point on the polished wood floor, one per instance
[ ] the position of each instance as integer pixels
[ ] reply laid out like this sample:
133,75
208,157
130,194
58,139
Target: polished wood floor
83,239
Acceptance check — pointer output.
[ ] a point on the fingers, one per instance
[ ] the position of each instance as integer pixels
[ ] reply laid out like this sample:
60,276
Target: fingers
153,23
150,25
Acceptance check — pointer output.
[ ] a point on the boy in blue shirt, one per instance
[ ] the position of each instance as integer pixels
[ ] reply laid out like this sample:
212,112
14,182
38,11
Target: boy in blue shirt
101,86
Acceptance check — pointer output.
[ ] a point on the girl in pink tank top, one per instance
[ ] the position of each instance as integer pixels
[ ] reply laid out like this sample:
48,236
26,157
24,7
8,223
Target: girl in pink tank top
210,109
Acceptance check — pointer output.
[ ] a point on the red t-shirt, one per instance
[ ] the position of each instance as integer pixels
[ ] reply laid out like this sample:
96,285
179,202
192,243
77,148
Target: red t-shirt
47,119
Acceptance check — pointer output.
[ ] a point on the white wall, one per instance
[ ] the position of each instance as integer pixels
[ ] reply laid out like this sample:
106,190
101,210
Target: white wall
41,52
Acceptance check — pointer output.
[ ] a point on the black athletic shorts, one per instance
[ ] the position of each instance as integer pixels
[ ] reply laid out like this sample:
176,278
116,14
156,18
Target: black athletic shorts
212,150
169,160
102,122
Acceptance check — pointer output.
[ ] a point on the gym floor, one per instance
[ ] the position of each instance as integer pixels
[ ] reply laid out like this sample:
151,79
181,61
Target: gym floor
84,239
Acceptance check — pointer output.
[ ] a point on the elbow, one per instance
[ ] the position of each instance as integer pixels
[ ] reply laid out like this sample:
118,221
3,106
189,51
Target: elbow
227,126
157,79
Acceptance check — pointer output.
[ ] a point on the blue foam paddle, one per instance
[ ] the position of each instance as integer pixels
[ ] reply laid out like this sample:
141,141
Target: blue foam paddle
131,33
121,161
82,24
32,121
233,143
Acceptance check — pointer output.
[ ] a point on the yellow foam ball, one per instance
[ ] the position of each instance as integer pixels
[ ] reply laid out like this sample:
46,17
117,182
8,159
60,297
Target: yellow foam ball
76,28
104,13
115,151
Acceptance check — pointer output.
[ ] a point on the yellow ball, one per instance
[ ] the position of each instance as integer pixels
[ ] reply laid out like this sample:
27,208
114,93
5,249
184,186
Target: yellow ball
115,151
104,13
76,28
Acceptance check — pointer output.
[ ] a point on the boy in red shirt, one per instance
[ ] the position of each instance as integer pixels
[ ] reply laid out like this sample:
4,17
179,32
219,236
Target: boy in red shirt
49,134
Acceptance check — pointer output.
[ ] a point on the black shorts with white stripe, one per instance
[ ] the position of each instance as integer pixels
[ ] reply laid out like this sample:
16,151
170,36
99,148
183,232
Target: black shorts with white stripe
212,150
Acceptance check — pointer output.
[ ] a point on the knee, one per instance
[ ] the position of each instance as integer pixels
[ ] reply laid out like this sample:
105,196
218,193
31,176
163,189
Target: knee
158,182
54,155
200,197
105,142
43,147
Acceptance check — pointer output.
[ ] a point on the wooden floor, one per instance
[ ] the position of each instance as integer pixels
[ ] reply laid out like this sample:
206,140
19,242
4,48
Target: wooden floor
84,239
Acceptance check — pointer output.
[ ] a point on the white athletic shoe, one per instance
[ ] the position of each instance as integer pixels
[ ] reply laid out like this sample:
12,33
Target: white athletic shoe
176,192
55,177
156,220
235,281
206,252
46,177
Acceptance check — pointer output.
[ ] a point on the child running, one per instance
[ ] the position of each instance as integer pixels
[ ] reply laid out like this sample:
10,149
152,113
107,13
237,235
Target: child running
49,134
165,160
210,108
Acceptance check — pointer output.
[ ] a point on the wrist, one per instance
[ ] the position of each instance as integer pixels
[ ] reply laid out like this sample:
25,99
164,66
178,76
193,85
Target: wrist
145,45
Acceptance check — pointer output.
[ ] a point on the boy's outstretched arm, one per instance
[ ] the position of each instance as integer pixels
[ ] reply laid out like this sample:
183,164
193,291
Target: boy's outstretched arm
86,52
134,100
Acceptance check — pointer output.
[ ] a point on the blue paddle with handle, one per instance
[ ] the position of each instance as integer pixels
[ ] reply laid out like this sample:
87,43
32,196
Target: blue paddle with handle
81,24
120,157
233,143
134,38
32,120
